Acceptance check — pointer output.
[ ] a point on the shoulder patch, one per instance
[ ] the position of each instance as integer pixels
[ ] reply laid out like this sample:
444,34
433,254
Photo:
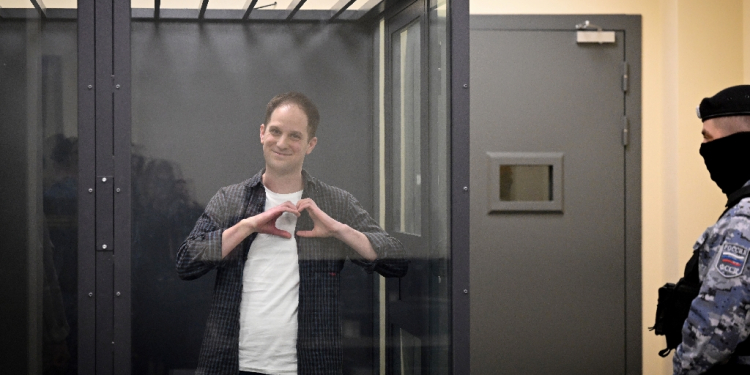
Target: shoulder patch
732,260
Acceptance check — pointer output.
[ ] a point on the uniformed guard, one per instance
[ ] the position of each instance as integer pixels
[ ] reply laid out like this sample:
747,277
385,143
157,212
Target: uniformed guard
715,333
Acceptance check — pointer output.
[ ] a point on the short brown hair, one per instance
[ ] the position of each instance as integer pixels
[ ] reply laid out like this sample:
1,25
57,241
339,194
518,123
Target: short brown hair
302,102
734,124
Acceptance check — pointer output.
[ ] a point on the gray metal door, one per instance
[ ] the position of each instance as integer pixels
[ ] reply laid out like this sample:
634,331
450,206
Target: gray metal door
548,200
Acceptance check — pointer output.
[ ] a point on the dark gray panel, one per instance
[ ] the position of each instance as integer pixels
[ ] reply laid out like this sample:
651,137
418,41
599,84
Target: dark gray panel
549,283
37,68
122,191
13,186
460,210
104,297
104,191
60,171
86,181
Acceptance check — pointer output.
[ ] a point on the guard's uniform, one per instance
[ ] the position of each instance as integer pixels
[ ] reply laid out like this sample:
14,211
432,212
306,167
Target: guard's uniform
719,317
718,324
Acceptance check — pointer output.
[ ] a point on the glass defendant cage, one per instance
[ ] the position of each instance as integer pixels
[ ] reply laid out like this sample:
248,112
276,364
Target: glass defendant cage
122,119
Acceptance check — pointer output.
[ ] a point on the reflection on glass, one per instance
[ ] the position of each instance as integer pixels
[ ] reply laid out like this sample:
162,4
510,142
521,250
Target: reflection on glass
187,146
408,355
39,149
439,73
60,200
406,115
526,183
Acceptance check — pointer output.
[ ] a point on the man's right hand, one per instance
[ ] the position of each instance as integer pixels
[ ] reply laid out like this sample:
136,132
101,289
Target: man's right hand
264,222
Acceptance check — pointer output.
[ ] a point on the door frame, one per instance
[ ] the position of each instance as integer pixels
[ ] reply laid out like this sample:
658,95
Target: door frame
399,312
631,27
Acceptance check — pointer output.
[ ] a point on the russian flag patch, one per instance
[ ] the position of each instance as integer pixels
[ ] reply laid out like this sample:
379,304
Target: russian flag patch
732,260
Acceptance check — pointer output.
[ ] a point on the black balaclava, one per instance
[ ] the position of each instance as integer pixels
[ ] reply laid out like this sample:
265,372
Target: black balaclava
728,161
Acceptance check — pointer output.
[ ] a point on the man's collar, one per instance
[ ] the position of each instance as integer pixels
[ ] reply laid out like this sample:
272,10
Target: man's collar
307,180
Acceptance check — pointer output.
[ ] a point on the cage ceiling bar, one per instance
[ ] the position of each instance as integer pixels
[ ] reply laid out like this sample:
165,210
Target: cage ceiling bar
340,7
294,6
203,5
39,6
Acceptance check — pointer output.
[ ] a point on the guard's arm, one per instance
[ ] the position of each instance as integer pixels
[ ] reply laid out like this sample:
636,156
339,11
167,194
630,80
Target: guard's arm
718,320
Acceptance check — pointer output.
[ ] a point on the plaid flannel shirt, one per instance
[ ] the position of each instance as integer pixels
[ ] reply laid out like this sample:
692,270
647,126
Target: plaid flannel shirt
319,349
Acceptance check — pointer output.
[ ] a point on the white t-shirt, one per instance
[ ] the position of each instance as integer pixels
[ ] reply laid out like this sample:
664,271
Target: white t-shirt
270,296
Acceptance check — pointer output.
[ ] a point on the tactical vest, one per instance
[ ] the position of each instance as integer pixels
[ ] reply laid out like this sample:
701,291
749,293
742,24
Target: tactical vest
675,299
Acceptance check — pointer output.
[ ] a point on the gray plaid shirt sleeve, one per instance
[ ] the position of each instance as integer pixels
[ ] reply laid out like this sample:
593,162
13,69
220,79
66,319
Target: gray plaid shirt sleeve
201,251
391,255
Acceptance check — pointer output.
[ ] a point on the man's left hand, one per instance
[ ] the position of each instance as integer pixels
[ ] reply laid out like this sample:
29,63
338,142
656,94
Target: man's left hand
326,226
323,225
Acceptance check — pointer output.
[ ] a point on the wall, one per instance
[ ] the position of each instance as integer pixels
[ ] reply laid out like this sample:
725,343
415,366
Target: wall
682,63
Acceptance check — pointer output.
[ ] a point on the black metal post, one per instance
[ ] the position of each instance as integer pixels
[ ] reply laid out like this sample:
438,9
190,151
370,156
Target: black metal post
458,24
86,185
103,189
122,187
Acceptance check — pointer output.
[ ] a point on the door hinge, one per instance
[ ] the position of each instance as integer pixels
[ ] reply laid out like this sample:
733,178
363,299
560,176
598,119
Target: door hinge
625,131
625,71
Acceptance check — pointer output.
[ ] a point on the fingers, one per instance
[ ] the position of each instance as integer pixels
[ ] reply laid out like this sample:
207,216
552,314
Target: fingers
306,203
287,207
278,232
306,233
266,222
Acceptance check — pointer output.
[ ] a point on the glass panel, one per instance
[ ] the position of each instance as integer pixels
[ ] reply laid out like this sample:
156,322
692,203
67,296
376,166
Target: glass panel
408,354
200,92
379,174
526,183
39,148
407,118
439,109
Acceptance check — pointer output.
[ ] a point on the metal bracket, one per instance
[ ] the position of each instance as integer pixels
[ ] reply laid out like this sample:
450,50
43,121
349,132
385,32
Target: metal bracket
597,36
105,200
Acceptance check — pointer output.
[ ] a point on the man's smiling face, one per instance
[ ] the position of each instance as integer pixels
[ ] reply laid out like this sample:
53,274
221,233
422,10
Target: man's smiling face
285,140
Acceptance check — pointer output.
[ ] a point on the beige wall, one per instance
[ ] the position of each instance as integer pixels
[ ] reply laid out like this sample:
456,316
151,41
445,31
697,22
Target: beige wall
691,49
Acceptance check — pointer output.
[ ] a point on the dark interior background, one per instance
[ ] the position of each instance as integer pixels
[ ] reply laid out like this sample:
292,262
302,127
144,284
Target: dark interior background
38,185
